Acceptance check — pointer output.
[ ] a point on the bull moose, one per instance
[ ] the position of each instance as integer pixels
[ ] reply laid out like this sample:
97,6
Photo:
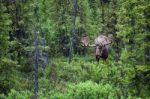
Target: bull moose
102,45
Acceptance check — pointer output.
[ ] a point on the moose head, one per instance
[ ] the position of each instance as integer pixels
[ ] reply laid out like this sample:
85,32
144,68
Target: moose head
102,45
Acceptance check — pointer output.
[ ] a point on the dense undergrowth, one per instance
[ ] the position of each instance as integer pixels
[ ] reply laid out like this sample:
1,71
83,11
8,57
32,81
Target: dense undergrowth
85,79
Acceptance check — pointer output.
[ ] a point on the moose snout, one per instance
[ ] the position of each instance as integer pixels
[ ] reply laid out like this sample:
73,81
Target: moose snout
97,53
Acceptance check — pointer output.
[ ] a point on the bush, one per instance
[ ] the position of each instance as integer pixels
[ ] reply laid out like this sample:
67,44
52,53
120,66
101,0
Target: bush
19,95
91,90
2,96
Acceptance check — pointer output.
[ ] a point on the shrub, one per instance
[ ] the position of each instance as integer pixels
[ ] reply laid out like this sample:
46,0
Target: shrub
91,90
19,94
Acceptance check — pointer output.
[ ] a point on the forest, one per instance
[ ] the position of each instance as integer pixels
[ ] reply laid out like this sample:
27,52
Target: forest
45,50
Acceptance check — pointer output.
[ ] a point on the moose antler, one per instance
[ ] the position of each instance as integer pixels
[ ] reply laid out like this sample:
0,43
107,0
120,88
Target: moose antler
85,42
103,40
100,41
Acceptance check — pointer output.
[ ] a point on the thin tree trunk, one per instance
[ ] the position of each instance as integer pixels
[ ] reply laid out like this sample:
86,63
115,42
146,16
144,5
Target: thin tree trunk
36,85
103,15
149,55
73,32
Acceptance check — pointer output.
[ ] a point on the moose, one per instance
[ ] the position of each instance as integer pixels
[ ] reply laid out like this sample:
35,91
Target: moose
102,45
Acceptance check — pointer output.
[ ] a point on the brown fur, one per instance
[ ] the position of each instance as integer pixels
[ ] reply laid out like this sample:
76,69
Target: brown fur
102,45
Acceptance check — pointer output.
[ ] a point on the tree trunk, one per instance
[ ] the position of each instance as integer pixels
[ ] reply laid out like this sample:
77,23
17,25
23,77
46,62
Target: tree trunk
73,32
36,86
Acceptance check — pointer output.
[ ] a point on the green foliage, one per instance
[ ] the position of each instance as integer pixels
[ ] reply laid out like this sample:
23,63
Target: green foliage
2,96
131,28
89,81
127,77
19,94
91,90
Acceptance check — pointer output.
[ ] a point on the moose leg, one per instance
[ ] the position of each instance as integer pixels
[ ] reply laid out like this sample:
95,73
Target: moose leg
97,58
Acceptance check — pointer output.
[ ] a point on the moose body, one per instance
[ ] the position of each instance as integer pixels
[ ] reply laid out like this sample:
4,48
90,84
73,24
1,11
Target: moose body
102,46
101,52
